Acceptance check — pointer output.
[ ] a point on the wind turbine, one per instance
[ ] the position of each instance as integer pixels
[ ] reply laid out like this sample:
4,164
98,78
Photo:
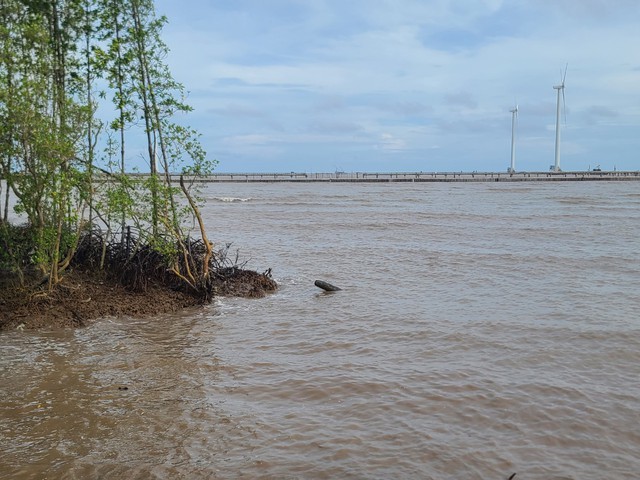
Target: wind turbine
514,117
559,88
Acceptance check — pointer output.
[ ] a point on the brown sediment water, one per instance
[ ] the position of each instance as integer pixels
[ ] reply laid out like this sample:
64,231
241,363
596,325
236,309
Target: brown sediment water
481,330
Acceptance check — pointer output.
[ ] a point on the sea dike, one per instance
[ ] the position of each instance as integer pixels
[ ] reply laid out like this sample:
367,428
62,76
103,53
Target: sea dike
421,177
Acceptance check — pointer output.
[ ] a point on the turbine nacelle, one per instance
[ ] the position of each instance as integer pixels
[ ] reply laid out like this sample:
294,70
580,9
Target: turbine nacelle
562,78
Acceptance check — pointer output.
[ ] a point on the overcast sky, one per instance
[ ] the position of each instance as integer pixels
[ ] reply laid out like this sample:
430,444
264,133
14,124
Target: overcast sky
408,85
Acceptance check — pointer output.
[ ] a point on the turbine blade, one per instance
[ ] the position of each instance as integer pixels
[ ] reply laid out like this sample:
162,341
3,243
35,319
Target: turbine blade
564,106
565,73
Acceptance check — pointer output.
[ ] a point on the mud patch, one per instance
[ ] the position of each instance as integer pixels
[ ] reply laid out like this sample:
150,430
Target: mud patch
83,297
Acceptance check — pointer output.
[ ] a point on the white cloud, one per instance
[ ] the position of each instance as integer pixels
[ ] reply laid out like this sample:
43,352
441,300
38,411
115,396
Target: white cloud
391,143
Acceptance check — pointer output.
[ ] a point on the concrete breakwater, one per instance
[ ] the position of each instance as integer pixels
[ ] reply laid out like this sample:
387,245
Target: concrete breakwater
421,177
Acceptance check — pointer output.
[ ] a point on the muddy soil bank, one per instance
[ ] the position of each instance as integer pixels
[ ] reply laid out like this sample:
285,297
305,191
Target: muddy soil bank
82,297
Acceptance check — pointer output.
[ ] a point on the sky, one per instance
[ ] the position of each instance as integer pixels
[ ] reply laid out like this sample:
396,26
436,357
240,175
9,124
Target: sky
408,85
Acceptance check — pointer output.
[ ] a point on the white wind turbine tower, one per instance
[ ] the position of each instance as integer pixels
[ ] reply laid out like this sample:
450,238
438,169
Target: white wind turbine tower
514,117
556,166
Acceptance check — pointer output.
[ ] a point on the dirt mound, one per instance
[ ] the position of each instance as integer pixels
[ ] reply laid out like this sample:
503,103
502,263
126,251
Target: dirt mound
82,297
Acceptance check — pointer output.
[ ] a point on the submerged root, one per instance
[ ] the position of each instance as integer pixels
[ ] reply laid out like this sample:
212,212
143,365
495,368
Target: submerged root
242,283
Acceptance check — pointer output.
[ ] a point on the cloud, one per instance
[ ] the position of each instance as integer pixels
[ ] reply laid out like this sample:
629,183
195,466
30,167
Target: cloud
406,108
598,11
334,127
601,112
238,110
461,99
331,103
403,75
248,140
390,143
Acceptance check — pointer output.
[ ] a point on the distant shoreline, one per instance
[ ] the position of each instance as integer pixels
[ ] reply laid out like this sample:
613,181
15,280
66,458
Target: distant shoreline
363,177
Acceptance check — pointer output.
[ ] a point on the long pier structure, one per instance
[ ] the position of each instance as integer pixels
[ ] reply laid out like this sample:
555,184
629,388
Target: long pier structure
294,177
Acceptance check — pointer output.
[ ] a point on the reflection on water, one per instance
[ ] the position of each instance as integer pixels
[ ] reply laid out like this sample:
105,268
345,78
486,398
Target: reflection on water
470,340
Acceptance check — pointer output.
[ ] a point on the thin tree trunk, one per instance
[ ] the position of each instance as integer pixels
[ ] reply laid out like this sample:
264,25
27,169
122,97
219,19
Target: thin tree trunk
203,233
116,7
163,152
6,193
145,87
90,143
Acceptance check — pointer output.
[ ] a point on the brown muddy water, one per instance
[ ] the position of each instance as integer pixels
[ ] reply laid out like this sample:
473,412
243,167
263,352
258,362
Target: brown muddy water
482,329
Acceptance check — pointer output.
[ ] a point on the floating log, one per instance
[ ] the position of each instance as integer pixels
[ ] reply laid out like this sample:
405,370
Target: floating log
326,286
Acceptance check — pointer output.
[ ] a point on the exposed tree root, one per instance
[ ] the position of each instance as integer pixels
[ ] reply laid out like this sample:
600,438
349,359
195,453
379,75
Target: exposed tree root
111,276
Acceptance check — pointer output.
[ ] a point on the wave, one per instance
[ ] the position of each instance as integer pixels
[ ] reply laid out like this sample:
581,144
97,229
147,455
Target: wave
230,199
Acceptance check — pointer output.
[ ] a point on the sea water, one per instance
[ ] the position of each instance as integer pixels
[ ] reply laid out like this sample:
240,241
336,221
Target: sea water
481,330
